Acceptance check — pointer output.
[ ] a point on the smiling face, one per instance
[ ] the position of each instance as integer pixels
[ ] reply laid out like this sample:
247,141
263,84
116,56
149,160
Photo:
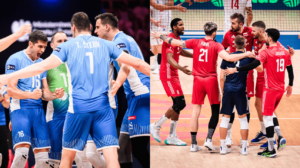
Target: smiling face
37,49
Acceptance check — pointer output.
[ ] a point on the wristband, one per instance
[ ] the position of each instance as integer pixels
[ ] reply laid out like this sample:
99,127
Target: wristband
170,40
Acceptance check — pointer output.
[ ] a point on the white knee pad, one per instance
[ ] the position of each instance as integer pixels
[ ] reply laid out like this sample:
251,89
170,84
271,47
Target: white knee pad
54,163
244,123
268,121
41,160
21,156
224,122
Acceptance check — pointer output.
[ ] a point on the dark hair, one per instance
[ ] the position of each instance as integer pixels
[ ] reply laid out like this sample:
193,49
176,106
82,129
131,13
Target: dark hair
52,38
174,22
238,16
37,35
274,34
81,21
108,18
91,29
239,41
210,28
259,24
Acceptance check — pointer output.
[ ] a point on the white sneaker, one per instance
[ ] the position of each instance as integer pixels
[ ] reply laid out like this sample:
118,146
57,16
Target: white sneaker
224,150
154,66
195,148
156,71
241,145
244,151
173,140
228,141
155,132
209,145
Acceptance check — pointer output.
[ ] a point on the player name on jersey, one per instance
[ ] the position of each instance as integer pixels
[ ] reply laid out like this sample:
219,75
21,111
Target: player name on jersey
92,44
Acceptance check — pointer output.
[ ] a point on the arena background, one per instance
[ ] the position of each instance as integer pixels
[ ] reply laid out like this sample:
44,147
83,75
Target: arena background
50,16
281,14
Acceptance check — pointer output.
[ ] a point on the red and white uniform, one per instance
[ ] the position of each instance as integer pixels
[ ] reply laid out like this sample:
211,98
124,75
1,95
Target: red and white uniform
205,55
168,74
235,6
228,41
260,75
274,59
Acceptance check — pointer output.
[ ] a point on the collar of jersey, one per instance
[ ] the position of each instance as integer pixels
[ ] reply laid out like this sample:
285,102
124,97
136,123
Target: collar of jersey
117,34
84,35
28,57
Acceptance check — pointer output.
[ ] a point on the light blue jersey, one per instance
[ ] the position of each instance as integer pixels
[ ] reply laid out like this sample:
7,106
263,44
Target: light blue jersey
88,63
19,61
136,83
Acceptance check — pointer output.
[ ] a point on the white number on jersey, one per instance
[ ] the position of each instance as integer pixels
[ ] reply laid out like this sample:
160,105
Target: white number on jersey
202,53
65,79
36,81
237,65
280,65
90,54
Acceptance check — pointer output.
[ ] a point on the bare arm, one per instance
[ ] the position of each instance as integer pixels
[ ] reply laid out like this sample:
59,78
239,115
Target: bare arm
122,76
174,64
16,93
234,57
260,68
249,16
47,94
136,63
157,6
186,53
6,101
222,79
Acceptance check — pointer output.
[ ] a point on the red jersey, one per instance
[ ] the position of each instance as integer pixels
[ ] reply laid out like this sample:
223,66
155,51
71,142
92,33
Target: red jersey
257,46
274,59
229,37
205,55
167,72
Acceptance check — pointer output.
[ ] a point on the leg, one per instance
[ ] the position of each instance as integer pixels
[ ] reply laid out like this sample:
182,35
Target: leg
21,155
140,150
262,134
93,156
41,158
111,157
82,160
223,132
244,133
228,137
67,158
3,146
125,157
214,119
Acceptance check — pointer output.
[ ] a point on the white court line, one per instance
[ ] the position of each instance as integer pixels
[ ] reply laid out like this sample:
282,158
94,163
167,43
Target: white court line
235,118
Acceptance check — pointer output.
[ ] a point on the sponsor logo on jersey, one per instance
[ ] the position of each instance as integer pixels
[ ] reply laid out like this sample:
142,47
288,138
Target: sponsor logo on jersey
280,53
121,45
11,67
21,134
245,34
57,49
131,117
233,37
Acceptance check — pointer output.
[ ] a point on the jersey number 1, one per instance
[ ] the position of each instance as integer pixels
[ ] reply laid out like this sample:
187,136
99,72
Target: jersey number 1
236,4
280,65
90,55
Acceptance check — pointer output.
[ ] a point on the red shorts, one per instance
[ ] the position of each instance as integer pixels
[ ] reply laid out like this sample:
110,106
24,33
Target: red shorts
250,84
172,88
259,88
203,86
270,100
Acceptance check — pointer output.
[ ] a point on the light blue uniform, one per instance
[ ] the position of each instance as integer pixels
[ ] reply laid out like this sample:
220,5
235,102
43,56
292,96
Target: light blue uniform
87,59
136,121
27,115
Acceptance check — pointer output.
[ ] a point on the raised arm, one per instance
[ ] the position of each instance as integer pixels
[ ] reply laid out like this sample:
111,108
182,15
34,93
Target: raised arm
136,63
235,57
168,40
157,6
247,67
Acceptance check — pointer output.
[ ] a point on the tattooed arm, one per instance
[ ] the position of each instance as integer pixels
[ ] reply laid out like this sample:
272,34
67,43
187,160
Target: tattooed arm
249,16
173,41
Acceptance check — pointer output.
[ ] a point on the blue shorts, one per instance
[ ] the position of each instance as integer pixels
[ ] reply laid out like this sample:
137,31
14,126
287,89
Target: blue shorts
55,128
115,112
237,99
136,121
100,124
29,127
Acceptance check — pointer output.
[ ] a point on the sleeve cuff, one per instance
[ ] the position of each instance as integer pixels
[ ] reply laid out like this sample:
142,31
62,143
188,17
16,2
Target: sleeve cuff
122,53
58,58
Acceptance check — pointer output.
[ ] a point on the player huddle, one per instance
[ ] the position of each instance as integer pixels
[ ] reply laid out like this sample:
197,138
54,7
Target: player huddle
270,59
77,80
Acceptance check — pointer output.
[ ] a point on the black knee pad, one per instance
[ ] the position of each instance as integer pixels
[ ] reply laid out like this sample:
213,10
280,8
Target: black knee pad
178,104
125,149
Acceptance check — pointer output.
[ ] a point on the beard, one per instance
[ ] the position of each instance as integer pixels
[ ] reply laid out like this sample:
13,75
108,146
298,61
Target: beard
267,43
234,30
180,32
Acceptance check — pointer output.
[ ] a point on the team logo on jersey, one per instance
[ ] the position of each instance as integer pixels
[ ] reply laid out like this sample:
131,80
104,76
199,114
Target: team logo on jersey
57,49
245,34
130,125
21,134
255,47
10,67
233,37
131,117
121,45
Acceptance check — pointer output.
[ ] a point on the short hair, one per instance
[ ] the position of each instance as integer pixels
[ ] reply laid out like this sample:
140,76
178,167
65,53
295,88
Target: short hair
274,34
81,21
238,16
91,29
259,24
108,18
52,38
37,35
239,41
174,22
210,27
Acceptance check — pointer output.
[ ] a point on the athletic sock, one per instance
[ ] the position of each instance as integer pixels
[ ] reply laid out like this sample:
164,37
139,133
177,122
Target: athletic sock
41,160
263,128
21,156
161,121
276,126
173,127
223,143
244,143
194,137
210,133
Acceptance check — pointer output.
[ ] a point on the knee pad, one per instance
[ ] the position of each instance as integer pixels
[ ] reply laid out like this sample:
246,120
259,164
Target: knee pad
125,149
178,104
41,160
268,121
244,123
224,122
21,156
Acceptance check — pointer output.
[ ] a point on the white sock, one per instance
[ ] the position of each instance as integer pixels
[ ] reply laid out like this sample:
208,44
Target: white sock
223,143
81,160
21,156
263,128
229,129
162,120
173,128
244,143
41,160
54,163
94,157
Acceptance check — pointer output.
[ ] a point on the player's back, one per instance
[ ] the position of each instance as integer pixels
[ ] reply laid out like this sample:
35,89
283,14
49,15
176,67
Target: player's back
275,60
205,56
17,62
87,59
236,81
136,83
